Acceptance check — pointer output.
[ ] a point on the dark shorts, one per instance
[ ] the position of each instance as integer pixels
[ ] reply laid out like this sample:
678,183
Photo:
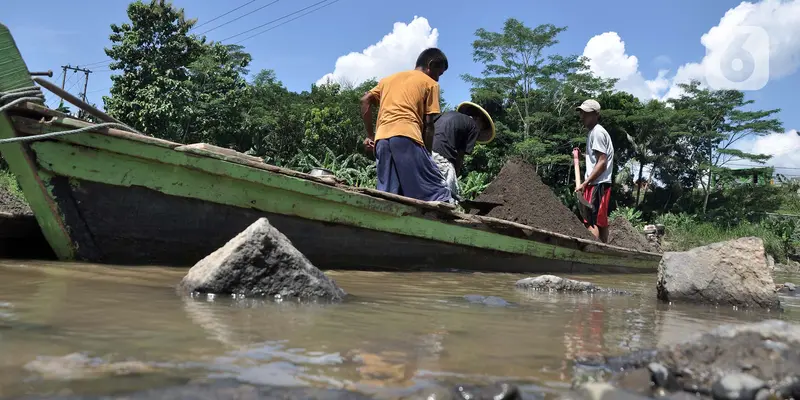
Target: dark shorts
406,168
600,197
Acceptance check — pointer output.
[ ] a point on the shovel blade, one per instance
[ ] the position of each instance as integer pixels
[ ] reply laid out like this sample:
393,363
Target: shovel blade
584,207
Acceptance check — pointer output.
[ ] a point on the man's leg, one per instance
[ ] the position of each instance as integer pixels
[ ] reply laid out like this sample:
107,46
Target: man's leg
448,172
591,223
418,175
386,168
602,212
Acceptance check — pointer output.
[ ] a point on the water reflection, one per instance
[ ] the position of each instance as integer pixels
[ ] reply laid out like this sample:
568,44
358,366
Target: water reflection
396,333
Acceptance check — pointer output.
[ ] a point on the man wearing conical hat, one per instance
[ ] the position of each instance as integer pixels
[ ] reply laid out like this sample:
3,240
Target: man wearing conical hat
456,133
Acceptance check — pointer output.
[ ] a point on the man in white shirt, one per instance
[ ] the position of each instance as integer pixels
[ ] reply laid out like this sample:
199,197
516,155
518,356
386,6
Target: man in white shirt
596,186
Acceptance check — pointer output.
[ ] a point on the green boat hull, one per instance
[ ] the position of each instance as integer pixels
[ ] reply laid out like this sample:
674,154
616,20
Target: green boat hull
110,196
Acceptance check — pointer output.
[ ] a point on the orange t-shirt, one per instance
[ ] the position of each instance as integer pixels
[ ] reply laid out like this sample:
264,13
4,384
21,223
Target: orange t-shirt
405,98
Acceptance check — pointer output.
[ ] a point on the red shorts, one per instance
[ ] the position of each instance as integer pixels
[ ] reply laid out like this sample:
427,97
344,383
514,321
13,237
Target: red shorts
600,201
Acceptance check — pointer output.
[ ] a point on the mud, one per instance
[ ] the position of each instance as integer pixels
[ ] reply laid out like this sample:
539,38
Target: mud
527,200
621,233
13,205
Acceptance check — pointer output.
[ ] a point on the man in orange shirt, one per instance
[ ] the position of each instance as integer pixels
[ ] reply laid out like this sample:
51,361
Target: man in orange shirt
408,104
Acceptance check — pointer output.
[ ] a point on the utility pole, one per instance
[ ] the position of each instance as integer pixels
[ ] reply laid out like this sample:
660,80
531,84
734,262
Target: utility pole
85,82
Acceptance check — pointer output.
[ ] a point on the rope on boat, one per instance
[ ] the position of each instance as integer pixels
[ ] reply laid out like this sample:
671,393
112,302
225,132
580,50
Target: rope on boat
34,94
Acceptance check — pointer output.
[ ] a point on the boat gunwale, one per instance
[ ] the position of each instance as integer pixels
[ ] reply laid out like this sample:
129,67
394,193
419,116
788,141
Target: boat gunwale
443,212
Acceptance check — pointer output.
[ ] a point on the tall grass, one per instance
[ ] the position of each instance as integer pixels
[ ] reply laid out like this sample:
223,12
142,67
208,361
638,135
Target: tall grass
684,232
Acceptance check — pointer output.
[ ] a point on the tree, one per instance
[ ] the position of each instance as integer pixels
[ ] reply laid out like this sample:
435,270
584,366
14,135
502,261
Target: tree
712,122
216,83
538,94
153,52
273,120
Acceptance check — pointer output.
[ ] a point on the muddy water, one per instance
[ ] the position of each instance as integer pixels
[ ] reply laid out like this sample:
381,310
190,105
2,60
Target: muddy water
398,333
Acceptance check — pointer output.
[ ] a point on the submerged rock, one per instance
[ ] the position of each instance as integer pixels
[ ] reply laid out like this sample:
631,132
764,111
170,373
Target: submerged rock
732,273
787,289
729,362
559,284
605,391
792,267
737,387
492,301
223,389
497,391
80,366
260,261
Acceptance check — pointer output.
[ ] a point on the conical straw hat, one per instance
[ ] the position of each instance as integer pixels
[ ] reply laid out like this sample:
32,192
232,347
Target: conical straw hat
472,109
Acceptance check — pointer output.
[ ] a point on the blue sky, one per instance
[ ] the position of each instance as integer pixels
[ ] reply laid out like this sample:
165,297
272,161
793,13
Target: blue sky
662,35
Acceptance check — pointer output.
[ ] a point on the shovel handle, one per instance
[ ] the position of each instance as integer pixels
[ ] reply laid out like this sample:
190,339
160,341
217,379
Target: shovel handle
575,154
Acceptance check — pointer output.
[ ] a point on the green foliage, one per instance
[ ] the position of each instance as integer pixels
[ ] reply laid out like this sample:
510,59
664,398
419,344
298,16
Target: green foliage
153,52
8,181
684,232
472,184
354,169
631,214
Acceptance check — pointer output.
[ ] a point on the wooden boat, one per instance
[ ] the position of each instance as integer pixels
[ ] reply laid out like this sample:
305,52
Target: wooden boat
107,195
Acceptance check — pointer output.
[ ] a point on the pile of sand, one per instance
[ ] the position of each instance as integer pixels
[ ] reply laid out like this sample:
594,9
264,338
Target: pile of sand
528,201
621,233
12,205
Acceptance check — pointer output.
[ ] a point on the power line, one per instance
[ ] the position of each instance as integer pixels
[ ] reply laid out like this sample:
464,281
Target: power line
97,64
760,166
275,20
220,16
286,22
240,17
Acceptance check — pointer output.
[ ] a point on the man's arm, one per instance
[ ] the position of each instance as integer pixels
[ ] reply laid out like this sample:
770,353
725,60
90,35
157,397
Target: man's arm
602,159
429,131
459,163
472,132
431,110
367,101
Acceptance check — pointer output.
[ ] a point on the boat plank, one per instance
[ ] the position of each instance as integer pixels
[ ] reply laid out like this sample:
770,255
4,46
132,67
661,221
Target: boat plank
14,74
57,121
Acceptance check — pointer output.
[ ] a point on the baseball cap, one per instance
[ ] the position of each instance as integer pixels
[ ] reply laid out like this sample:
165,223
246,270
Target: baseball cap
589,106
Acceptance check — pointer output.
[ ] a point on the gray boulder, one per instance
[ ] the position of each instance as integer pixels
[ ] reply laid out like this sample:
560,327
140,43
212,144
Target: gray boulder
260,261
732,273
559,284
730,361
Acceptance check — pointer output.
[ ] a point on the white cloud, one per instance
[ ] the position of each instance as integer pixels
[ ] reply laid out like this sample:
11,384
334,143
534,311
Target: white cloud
780,19
397,51
607,58
783,147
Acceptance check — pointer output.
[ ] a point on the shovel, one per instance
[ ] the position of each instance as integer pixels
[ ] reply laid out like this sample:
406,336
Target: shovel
483,207
584,207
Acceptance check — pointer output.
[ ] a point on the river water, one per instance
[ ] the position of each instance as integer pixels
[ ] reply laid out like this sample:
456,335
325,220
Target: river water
124,329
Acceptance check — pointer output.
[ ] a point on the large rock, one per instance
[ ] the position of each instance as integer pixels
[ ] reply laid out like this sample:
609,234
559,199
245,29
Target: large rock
731,361
260,261
558,284
732,273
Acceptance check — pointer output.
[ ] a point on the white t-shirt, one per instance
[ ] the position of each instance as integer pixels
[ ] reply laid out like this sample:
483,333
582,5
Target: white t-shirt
599,140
